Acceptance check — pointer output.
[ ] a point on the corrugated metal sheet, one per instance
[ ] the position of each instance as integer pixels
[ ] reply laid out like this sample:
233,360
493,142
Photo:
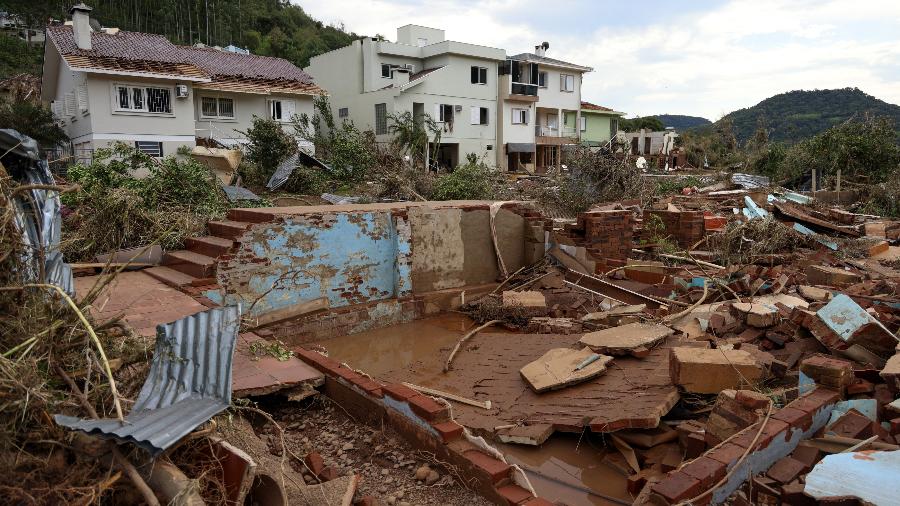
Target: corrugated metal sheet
749,181
868,475
239,193
189,383
37,215
284,171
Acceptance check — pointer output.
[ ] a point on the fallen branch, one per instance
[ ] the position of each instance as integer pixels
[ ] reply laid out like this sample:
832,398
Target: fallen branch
449,396
697,304
464,339
120,459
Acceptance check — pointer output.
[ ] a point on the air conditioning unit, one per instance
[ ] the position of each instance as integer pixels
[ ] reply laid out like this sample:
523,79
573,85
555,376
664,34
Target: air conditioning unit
457,108
181,90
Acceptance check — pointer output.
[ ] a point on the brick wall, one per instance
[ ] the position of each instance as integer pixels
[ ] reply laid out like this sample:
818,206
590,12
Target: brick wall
685,227
782,433
425,423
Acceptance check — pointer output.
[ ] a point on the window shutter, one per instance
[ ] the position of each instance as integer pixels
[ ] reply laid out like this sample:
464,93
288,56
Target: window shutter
527,116
583,123
475,115
70,104
562,82
287,110
82,98
437,113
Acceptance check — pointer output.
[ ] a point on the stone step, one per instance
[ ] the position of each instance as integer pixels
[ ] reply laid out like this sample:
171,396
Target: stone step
191,263
169,276
250,215
227,229
209,245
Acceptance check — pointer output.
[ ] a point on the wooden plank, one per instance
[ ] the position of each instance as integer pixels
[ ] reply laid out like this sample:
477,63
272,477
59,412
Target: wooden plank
286,313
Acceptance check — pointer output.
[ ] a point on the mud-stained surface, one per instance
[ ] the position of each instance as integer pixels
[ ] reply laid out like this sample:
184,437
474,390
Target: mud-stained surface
569,468
487,367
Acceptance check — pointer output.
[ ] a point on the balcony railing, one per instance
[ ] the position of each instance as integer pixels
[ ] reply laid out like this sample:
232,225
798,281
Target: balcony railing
552,131
525,89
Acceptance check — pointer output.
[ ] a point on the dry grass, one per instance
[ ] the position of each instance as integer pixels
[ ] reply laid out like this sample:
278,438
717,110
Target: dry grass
742,241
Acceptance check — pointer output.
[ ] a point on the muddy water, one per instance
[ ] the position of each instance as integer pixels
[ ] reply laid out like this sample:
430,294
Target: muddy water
571,472
562,469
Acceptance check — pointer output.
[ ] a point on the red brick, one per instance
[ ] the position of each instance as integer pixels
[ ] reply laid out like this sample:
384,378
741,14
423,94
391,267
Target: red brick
852,424
808,455
707,470
429,409
895,426
816,400
317,360
496,469
368,385
696,445
315,463
751,400
860,386
348,374
677,486
727,454
329,473
773,429
449,430
786,470
514,494
537,501
794,417
399,392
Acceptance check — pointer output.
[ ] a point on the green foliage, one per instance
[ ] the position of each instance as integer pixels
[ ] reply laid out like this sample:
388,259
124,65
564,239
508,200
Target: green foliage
33,120
682,122
349,151
268,27
715,146
647,122
473,180
113,209
797,115
17,56
411,136
268,146
595,177
672,186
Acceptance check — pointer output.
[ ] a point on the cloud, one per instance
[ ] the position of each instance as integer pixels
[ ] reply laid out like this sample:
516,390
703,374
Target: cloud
706,59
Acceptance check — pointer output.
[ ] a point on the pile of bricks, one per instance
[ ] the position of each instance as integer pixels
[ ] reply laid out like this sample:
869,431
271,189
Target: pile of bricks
686,227
604,234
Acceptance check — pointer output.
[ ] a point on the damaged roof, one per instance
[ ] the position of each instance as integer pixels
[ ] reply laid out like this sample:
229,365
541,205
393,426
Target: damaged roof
587,106
531,57
145,53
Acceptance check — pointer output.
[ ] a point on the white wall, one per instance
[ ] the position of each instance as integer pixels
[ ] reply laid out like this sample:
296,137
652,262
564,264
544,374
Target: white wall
553,97
246,106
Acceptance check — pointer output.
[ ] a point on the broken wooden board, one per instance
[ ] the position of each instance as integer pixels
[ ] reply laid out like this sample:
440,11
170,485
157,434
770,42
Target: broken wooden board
561,367
634,339
533,435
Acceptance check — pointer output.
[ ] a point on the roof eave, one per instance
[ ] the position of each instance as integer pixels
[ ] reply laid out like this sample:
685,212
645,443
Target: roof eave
151,75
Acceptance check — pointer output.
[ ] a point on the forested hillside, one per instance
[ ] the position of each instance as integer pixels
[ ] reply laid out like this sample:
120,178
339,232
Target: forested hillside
681,121
798,115
266,27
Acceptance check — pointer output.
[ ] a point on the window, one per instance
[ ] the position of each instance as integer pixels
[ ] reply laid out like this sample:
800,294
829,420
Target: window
281,110
151,148
385,70
343,112
143,99
542,79
566,82
520,116
216,107
443,113
479,75
582,123
380,119
478,115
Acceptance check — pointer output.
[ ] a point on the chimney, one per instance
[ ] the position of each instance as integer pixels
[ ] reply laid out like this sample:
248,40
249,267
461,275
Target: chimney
539,50
81,25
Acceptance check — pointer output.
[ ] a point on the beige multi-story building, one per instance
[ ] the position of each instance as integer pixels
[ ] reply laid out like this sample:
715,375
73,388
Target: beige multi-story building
512,112
455,83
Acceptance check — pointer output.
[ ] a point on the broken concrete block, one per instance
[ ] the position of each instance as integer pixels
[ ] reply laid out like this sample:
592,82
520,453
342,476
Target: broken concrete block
828,372
831,276
533,435
561,367
708,371
756,314
814,294
524,299
634,338
854,325
891,373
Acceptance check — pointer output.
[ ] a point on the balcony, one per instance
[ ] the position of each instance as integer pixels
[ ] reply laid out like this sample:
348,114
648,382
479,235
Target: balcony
530,90
552,131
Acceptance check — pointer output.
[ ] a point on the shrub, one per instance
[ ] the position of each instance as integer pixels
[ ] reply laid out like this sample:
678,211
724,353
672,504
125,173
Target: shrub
473,180
595,177
268,146
33,120
350,152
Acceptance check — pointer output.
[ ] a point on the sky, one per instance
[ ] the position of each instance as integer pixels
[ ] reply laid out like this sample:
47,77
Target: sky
701,58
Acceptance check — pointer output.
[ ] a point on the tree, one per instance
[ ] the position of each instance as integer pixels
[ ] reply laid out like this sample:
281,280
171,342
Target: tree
651,123
33,120
269,146
412,137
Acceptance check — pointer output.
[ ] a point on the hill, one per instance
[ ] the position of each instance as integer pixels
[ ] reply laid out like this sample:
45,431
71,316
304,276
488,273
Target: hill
681,121
797,115
266,27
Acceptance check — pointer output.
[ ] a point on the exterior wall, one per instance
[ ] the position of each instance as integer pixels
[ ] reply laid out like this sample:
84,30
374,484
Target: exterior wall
598,127
370,253
552,97
246,106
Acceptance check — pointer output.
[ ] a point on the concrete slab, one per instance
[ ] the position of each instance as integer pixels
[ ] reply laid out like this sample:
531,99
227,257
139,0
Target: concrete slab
259,373
144,300
632,394
627,338
562,367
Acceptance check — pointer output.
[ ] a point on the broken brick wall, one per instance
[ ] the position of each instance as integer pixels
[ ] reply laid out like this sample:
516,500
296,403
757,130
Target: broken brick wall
685,227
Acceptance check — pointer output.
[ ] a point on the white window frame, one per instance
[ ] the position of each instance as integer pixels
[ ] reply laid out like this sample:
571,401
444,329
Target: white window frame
218,115
582,123
478,80
564,83
515,116
475,115
286,109
142,88
546,77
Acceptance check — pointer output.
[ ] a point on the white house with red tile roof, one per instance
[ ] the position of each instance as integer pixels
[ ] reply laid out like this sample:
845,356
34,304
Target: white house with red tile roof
139,88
